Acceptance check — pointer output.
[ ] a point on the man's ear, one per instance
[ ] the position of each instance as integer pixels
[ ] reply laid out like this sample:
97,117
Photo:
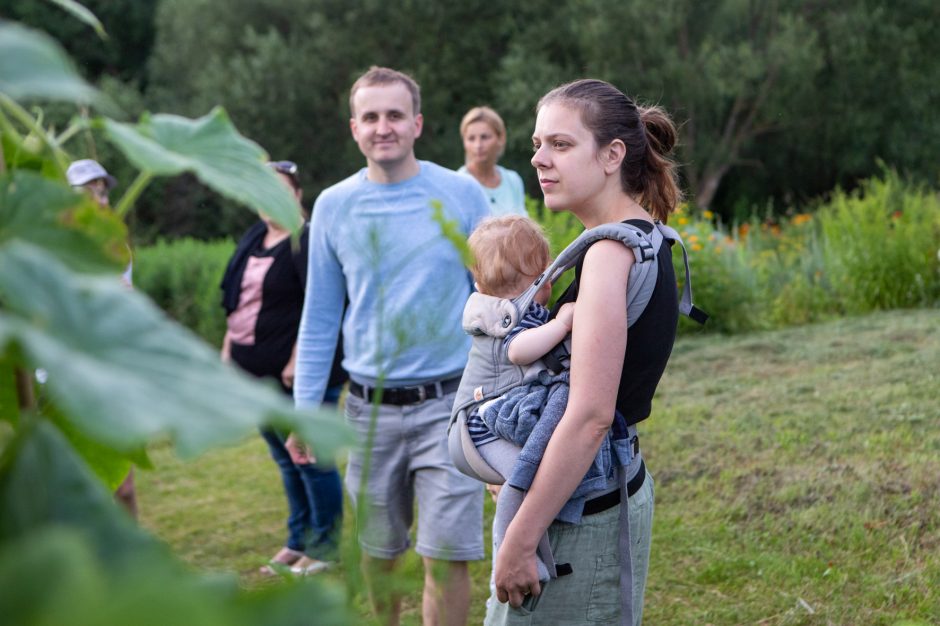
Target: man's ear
419,125
613,156
353,129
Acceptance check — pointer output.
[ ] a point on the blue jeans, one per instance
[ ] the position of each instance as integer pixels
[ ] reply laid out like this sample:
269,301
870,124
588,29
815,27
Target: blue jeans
314,498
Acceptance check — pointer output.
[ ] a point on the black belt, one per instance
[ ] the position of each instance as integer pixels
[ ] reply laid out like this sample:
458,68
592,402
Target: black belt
612,499
401,396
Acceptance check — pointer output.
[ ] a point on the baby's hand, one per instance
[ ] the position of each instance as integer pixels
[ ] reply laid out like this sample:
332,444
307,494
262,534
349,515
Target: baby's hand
566,314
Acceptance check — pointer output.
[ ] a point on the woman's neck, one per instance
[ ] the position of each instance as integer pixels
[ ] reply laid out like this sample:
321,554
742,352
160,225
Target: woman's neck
275,235
485,173
610,206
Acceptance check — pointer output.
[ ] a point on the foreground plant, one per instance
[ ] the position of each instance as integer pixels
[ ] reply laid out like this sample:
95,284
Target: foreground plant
117,375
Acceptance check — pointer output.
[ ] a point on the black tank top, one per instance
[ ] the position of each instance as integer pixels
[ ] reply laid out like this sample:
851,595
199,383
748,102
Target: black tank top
650,339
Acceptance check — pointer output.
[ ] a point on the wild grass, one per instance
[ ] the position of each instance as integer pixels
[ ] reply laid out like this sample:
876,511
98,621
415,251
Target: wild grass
797,477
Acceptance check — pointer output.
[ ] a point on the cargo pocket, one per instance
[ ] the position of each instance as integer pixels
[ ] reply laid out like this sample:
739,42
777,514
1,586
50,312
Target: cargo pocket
604,604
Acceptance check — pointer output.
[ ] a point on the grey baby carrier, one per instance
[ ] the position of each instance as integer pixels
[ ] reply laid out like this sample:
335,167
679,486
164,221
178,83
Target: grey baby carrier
487,319
490,374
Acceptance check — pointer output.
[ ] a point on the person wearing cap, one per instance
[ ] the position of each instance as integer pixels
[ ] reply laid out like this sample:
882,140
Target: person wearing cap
90,176
263,295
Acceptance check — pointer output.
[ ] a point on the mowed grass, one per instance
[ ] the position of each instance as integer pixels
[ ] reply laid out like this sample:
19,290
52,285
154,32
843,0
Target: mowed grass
797,482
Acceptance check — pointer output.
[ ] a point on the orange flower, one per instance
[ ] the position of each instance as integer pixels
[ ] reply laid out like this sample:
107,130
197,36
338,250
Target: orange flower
802,218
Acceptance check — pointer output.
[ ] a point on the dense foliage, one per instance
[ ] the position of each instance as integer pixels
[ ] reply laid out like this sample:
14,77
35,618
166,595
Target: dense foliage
778,102
876,248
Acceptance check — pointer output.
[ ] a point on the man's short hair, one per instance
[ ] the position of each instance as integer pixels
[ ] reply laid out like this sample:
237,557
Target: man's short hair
509,252
386,76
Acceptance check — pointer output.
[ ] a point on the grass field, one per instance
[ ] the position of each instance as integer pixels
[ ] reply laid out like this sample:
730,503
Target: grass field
797,482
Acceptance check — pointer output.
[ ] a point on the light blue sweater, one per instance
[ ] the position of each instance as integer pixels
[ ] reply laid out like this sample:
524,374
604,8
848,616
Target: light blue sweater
406,284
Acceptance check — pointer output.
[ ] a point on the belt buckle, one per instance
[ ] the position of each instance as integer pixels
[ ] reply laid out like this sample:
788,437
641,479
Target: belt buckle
422,394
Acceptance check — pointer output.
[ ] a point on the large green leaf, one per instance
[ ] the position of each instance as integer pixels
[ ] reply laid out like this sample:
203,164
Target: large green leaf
109,465
68,224
211,148
34,66
124,374
43,482
69,555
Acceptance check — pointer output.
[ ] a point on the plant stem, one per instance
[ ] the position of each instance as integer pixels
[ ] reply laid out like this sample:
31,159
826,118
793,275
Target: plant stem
6,128
24,390
130,196
73,129
23,117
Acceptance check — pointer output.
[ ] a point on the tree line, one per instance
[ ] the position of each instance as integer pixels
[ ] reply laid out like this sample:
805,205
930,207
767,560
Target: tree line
779,101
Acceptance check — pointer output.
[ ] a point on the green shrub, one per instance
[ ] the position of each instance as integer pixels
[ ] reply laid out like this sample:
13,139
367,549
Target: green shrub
724,286
182,277
881,245
876,248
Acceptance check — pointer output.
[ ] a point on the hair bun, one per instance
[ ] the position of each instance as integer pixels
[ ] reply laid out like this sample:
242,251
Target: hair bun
660,129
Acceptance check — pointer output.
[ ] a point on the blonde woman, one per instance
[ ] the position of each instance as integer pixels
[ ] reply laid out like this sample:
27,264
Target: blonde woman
484,139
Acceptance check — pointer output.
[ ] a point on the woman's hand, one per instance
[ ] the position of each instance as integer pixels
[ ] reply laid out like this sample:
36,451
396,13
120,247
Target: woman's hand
225,355
287,374
299,452
515,574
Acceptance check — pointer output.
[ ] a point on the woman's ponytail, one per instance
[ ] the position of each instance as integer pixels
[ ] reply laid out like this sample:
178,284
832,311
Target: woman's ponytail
661,192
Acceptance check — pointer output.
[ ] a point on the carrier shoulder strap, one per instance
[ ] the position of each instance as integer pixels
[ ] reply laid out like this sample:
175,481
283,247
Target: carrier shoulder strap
642,275
685,303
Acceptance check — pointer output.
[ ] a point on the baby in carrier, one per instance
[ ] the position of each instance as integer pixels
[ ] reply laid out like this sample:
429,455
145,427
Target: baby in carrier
510,253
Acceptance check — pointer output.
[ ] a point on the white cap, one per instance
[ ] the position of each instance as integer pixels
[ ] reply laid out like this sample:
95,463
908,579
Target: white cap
86,170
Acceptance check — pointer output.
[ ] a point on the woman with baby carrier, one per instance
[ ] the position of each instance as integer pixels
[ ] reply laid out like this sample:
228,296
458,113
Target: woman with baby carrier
604,159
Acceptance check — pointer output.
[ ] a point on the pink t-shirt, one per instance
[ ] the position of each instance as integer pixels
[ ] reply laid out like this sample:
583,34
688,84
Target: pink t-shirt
242,321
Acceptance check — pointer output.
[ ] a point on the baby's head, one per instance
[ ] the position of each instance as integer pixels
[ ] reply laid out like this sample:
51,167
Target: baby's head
509,253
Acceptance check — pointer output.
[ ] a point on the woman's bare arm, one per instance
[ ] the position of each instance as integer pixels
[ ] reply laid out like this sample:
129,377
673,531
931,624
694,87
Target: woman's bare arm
598,344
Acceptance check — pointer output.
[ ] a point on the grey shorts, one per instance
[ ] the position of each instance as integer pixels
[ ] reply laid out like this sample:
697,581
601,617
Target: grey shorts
408,458
591,594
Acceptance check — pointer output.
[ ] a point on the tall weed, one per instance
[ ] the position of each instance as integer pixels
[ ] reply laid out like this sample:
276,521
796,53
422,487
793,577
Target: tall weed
881,245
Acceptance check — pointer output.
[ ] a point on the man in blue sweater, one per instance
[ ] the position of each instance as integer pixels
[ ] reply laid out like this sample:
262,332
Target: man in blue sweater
374,241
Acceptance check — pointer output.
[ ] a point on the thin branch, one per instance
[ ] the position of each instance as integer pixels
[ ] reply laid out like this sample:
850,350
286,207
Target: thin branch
73,129
130,196
24,390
